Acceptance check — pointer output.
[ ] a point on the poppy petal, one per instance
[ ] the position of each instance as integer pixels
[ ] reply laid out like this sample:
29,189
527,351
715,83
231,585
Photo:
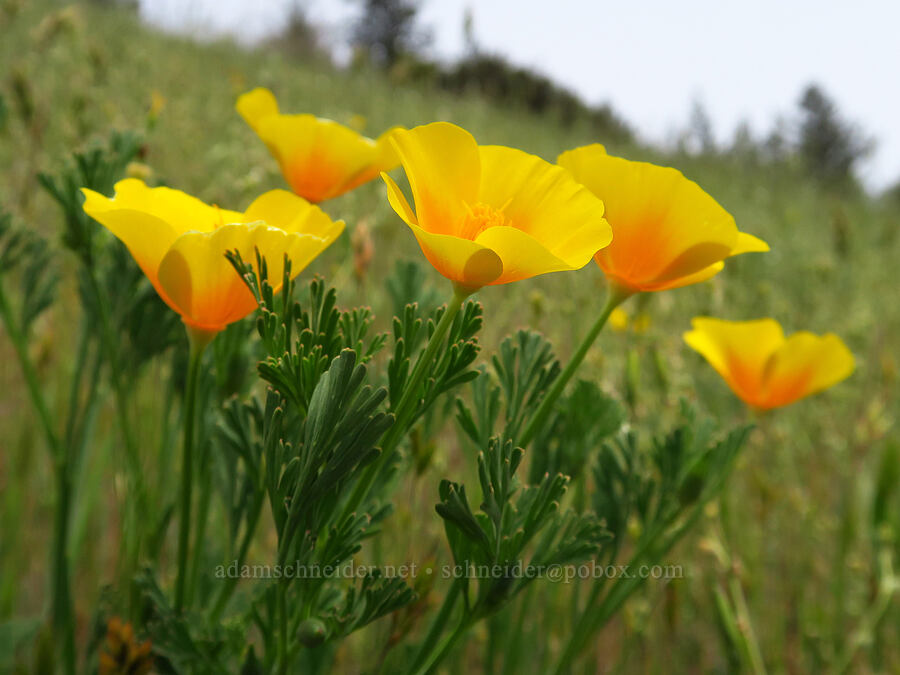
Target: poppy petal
460,260
442,165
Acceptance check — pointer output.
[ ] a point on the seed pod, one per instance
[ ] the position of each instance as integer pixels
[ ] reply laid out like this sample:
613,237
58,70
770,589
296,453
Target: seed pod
312,632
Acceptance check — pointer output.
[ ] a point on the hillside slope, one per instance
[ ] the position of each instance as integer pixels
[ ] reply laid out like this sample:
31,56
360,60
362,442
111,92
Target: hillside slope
70,74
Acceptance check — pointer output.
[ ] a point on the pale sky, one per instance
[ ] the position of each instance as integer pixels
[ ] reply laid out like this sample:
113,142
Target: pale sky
651,59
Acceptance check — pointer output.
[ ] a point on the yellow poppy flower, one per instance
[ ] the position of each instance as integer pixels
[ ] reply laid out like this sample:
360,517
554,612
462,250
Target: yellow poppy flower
180,244
667,232
765,369
492,215
320,159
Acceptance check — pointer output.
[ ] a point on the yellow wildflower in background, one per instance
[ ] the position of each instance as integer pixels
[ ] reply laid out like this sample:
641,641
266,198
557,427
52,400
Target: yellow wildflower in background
765,369
667,232
490,214
180,244
319,158
641,323
618,320
157,104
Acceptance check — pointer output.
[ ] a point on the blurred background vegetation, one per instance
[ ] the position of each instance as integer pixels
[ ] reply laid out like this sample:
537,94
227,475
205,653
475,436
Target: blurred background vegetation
811,524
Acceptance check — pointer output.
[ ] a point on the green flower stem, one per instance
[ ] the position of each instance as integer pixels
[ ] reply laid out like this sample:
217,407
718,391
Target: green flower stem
110,345
63,610
136,508
445,646
514,648
888,586
75,385
282,628
617,295
199,529
198,341
596,615
164,455
437,625
407,402
199,536
410,394
745,626
231,582
31,379
63,607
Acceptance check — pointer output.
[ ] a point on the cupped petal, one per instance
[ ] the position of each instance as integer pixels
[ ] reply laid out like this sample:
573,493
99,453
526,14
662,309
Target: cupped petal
398,202
664,225
146,236
522,255
292,213
805,364
694,261
747,243
687,280
202,285
442,164
738,351
256,105
318,157
544,201
462,261
385,159
180,210
388,157
675,276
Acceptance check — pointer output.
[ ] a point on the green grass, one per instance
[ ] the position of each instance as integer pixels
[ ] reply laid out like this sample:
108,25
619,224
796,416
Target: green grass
804,484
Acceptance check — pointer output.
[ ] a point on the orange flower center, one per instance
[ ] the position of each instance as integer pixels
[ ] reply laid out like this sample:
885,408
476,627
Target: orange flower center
481,217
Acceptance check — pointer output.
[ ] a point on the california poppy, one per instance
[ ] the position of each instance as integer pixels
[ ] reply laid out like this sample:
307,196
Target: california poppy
319,158
489,214
667,232
763,367
180,244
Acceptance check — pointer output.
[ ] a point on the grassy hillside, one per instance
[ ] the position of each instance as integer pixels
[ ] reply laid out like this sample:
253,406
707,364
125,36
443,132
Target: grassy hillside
797,516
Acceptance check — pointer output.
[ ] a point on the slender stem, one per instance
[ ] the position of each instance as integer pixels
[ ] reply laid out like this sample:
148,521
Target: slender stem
745,626
617,295
438,624
727,618
168,434
406,403
199,527
411,391
75,385
199,536
281,591
187,481
111,346
515,649
63,608
31,379
594,615
733,604
445,646
873,615
135,508
61,595
231,582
